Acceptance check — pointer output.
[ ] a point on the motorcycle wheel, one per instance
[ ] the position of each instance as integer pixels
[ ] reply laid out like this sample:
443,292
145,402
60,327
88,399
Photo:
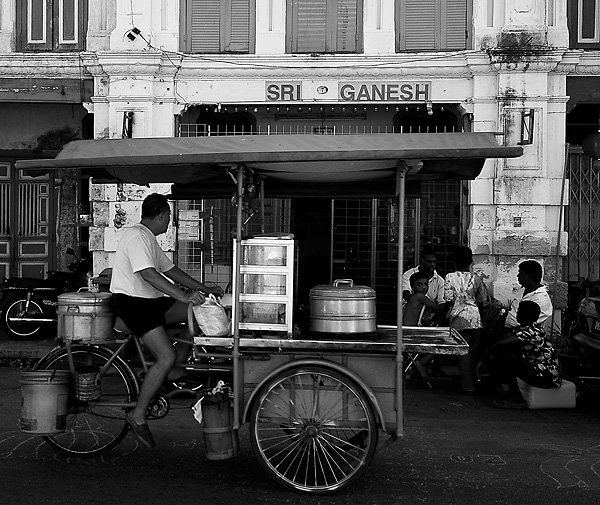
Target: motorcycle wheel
15,306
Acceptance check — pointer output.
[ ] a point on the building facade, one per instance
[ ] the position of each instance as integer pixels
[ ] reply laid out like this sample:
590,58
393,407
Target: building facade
170,68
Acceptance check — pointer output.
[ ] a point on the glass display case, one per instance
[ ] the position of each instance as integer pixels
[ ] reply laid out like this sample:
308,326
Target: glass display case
266,284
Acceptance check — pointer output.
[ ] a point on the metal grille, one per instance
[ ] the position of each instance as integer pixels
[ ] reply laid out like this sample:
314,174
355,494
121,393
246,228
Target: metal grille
311,128
583,217
364,238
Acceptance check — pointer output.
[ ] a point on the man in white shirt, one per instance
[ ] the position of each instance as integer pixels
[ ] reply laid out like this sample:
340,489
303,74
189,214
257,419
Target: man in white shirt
435,290
530,278
139,283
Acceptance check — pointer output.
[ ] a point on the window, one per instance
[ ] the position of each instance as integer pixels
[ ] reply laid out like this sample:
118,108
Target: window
218,26
432,25
584,23
51,25
324,26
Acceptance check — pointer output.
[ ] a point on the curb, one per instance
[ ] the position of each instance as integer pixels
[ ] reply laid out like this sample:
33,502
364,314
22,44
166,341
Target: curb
16,353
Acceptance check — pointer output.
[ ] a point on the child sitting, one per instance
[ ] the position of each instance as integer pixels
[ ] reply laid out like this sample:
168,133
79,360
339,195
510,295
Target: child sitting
419,301
527,353
416,314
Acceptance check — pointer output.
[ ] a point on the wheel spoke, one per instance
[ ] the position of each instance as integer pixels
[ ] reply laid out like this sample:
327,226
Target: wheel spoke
93,427
313,430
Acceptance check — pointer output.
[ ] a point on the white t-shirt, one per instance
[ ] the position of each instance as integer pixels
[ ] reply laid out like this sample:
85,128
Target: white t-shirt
435,291
138,249
539,296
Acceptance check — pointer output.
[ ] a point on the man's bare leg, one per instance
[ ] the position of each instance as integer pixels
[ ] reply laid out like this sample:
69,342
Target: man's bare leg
178,314
161,347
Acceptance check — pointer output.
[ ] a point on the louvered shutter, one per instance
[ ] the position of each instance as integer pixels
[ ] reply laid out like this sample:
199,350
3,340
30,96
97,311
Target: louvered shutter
219,26
324,26
205,16
431,25
455,29
310,19
418,25
347,24
237,25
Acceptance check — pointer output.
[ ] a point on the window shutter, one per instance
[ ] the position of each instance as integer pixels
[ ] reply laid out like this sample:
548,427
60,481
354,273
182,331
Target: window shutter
52,25
310,17
431,25
347,24
205,26
237,36
418,27
324,26
70,23
36,25
454,25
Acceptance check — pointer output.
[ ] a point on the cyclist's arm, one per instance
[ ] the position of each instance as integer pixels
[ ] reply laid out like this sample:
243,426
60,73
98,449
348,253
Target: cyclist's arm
155,279
180,277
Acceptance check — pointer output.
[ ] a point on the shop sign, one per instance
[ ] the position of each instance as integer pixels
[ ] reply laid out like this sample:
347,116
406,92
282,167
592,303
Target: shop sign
384,91
283,91
349,91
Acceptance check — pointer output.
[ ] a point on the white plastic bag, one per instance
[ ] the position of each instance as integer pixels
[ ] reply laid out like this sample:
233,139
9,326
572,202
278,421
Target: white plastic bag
212,317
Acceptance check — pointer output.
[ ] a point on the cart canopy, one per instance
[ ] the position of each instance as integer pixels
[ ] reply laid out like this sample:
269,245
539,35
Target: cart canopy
295,165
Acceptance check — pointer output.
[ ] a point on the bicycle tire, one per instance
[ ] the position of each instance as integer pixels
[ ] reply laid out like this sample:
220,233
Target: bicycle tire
313,430
92,428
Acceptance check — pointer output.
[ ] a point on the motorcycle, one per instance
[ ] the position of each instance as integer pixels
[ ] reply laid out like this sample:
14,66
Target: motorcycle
28,305
584,338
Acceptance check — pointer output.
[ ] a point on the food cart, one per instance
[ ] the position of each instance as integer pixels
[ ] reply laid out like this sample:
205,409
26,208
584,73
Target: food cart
316,407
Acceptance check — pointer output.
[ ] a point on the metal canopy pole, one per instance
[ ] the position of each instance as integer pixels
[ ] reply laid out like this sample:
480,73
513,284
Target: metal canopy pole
400,192
235,294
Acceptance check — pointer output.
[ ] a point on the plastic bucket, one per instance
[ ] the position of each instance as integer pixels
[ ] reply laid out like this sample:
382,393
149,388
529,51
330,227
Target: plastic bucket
44,395
220,439
87,387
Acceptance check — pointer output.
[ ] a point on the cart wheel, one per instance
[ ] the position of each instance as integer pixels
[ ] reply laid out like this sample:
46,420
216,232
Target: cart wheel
94,427
313,430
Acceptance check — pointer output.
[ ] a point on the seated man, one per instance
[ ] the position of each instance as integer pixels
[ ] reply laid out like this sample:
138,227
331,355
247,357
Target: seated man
530,278
525,352
139,284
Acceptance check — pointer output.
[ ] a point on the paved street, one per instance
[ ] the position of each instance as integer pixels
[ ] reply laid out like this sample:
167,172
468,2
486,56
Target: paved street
456,450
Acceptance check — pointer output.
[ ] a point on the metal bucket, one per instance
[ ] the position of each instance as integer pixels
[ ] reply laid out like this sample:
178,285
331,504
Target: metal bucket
343,308
220,439
85,317
87,387
44,401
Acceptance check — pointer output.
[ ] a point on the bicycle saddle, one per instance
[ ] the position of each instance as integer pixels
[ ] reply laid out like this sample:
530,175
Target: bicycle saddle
121,327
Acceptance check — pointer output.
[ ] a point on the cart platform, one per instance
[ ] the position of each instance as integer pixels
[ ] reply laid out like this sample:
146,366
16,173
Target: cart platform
415,339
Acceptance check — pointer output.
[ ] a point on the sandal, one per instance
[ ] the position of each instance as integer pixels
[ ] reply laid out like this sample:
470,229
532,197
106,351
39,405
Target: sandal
500,404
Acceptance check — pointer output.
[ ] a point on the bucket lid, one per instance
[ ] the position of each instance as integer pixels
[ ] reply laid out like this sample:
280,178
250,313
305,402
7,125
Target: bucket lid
342,288
84,298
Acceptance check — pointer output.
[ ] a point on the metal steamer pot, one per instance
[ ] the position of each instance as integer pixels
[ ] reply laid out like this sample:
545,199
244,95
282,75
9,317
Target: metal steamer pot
343,308
85,317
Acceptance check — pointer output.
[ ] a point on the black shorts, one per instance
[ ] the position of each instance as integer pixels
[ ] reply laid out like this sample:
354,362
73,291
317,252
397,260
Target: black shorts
141,314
